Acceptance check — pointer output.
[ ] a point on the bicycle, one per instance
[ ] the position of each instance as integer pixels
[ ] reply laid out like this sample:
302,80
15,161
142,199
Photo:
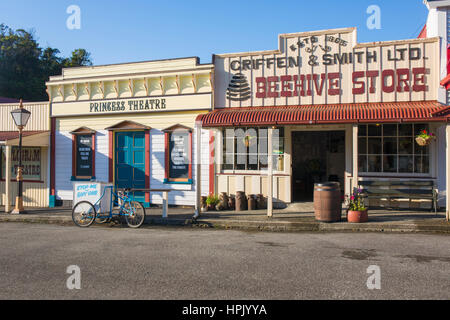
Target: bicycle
85,213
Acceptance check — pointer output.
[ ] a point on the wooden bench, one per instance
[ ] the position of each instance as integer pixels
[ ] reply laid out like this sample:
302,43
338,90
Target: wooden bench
165,196
417,189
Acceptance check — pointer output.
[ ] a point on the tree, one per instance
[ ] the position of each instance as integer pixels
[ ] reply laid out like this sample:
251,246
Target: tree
25,66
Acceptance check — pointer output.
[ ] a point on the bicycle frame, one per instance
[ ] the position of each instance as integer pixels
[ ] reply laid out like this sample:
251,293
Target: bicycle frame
121,200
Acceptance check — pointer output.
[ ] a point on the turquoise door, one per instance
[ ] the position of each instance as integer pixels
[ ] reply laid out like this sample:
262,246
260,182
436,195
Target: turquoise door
130,162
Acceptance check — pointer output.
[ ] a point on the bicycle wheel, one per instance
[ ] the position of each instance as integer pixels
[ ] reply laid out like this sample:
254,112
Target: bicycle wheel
134,214
83,214
102,219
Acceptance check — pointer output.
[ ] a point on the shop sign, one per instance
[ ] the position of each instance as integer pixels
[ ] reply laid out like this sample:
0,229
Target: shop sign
31,163
329,68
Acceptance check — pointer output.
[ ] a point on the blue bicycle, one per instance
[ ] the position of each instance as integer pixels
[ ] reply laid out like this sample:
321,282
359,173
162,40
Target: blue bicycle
85,213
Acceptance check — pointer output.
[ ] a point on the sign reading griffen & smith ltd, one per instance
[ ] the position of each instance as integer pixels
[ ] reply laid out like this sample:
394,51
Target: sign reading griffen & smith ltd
328,67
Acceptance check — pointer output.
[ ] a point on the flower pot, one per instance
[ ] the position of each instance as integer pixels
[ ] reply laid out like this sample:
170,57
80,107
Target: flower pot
423,142
357,216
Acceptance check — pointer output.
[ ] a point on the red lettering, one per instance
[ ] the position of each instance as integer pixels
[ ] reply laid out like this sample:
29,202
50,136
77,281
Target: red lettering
261,88
384,77
362,84
419,79
401,79
299,83
372,75
319,90
286,86
272,87
334,84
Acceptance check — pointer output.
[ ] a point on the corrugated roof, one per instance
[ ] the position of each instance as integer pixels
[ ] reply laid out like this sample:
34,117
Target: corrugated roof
323,114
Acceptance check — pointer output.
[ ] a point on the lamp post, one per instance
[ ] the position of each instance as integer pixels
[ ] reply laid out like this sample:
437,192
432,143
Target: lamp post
20,117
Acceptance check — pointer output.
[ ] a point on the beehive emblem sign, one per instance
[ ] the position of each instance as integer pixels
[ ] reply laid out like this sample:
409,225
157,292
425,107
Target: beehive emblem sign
238,89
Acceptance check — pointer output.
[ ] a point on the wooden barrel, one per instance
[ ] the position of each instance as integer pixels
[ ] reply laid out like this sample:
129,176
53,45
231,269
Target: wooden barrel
241,201
327,202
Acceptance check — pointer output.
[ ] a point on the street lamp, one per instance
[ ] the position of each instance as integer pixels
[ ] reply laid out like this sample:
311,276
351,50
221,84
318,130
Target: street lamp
20,117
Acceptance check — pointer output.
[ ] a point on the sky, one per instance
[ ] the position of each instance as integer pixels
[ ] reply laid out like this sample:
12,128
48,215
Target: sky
122,31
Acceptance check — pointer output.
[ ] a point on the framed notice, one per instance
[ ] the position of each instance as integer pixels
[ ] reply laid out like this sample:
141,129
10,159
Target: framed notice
178,155
83,154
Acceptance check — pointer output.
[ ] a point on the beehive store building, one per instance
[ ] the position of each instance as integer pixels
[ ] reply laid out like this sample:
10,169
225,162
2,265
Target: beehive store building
338,110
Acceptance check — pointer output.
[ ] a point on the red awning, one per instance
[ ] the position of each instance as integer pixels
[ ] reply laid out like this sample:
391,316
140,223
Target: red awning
324,114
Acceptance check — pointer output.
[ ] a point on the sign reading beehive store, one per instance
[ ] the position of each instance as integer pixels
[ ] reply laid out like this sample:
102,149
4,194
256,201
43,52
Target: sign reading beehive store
329,67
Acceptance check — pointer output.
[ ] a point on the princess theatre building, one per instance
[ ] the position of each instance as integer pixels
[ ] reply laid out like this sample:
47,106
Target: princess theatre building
332,109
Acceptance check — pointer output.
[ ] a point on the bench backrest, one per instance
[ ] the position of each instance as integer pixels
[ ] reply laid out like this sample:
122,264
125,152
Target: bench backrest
398,188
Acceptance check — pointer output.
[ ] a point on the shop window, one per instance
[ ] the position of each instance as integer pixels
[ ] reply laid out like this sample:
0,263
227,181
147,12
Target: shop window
178,155
83,154
391,148
31,163
246,149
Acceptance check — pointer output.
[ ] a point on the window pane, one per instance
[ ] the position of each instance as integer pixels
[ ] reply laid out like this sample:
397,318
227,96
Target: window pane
362,163
362,145
390,130
405,145
362,130
374,164
263,162
390,146
418,150
374,146
422,164
405,164
227,161
241,161
390,164
374,130
405,130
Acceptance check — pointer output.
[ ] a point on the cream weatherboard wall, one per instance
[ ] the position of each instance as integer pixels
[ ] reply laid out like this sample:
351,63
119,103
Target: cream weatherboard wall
35,194
156,94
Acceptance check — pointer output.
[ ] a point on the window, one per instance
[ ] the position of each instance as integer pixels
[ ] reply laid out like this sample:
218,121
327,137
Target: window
178,145
31,163
391,148
246,149
83,154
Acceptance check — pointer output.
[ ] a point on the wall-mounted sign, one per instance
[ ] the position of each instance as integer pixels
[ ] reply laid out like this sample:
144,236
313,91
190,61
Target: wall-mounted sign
31,163
84,155
329,67
136,105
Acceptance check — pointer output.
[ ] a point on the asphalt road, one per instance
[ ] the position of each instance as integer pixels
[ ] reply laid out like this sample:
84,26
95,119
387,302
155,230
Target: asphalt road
169,263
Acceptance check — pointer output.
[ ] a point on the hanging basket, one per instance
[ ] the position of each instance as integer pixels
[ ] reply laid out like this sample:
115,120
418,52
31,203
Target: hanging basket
423,142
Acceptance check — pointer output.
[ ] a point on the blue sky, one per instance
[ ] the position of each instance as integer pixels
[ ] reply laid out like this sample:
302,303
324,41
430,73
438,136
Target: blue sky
138,30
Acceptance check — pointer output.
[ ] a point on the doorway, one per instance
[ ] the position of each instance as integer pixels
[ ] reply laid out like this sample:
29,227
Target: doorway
130,162
316,157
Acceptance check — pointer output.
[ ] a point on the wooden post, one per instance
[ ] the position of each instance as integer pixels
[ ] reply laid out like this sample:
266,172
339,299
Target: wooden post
355,158
198,159
447,166
270,173
8,179
165,205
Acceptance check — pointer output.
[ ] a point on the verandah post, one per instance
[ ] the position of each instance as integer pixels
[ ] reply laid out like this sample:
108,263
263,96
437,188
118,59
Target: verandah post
447,178
270,173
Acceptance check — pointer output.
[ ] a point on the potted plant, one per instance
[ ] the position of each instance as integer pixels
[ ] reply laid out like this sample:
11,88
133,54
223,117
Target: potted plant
211,201
424,138
357,211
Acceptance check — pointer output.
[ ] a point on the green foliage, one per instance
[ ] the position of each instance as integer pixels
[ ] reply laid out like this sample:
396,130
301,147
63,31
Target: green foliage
212,200
25,66
355,202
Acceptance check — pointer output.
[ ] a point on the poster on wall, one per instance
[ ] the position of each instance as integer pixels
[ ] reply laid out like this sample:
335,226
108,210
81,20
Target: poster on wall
31,163
179,156
84,156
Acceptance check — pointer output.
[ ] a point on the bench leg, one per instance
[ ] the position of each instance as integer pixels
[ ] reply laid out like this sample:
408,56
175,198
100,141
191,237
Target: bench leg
165,205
